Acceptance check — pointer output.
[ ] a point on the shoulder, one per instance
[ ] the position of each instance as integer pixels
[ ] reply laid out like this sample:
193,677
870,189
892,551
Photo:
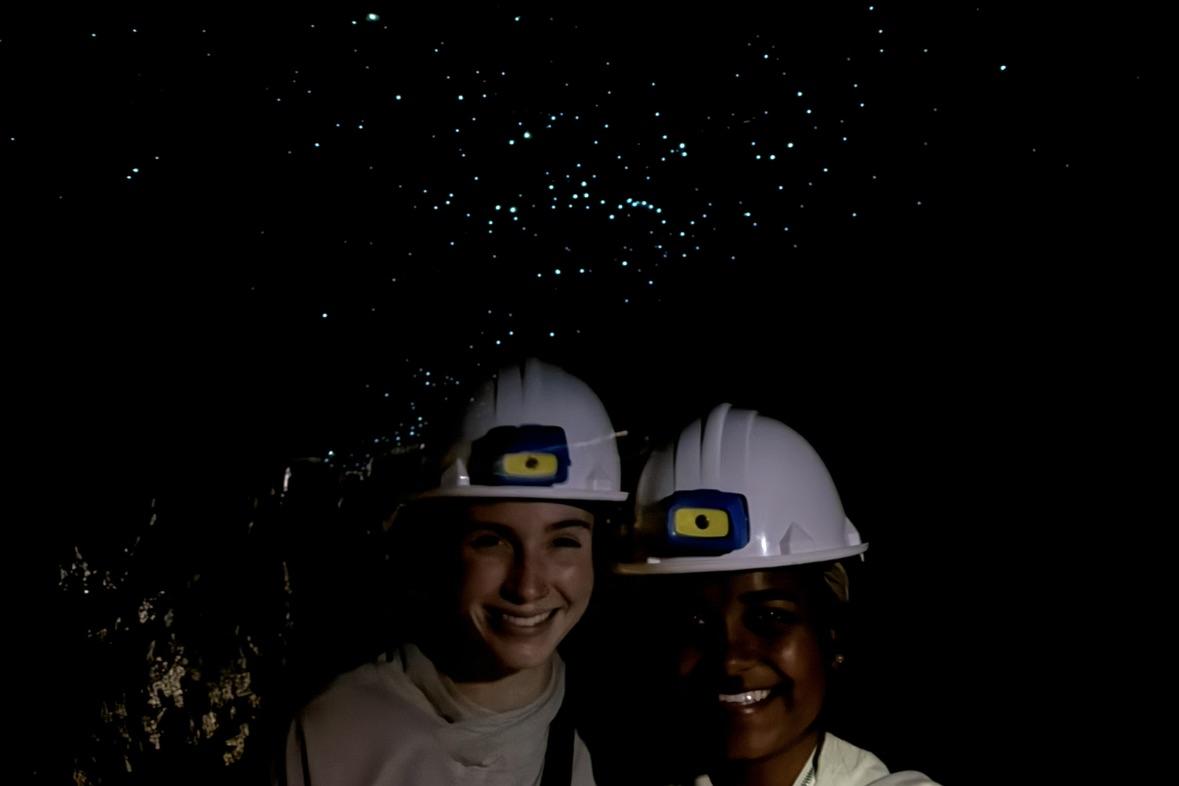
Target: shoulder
847,763
905,778
362,723
583,770
369,692
363,707
843,763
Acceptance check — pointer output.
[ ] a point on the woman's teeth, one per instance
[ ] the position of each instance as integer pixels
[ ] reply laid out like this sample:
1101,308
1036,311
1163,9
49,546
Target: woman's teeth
527,622
744,699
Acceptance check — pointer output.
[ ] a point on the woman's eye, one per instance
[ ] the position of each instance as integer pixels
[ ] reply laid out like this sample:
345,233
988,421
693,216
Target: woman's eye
485,541
775,616
567,543
694,620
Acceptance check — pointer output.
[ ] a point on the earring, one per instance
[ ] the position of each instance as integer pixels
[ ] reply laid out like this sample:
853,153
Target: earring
839,661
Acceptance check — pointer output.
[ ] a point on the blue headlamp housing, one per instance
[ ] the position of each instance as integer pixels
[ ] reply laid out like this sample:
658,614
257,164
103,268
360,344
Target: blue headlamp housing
702,522
529,455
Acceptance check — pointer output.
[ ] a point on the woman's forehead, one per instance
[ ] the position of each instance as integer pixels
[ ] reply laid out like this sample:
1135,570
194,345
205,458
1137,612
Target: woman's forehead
526,514
720,586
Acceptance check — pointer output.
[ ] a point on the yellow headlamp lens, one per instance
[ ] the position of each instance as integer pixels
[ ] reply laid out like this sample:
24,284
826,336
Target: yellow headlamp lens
529,465
701,522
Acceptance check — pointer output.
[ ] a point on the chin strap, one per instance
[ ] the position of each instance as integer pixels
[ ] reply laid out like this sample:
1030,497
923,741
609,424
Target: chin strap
302,741
558,755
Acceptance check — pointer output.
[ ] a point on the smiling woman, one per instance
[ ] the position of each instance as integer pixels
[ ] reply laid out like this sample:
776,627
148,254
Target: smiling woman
497,568
741,523
768,692
524,579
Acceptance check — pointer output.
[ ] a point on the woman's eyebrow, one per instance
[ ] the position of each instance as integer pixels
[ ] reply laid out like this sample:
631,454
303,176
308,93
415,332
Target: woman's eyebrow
502,530
569,524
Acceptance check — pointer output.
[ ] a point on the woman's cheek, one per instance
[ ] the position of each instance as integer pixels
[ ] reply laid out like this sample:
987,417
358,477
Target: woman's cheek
689,659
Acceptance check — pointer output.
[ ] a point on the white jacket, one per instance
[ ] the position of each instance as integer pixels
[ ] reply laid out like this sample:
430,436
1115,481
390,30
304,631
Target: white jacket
843,764
402,722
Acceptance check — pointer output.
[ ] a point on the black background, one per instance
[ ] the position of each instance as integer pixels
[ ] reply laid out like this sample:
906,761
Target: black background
979,372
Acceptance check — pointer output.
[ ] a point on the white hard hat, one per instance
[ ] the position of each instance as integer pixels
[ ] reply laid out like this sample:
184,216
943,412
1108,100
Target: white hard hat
534,431
737,491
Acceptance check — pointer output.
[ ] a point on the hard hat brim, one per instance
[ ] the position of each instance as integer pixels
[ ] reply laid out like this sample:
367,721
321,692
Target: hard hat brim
730,564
